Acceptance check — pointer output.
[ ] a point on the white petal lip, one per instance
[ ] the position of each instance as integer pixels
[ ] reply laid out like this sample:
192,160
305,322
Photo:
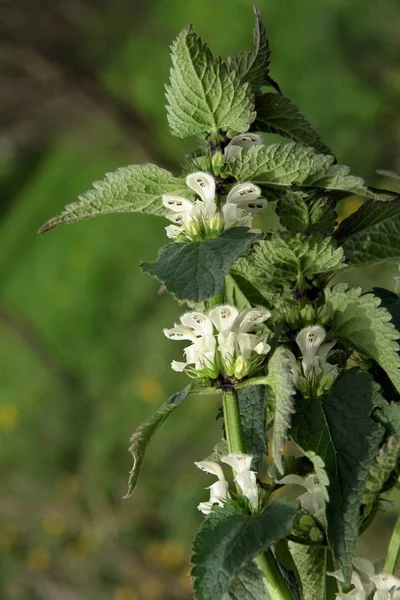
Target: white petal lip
211,467
223,316
199,322
238,461
203,184
179,333
243,192
251,317
177,203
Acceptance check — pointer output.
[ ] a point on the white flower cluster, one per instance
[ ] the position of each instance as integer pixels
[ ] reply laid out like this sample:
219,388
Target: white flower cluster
221,342
313,375
312,500
205,218
245,478
383,586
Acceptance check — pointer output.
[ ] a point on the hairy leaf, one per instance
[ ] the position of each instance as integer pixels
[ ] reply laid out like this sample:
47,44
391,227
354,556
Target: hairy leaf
196,270
137,188
366,325
203,96
142,436
253,65
277,114
252,402
371,234
248,585
228,539
290,164
280,380
385,463
303,213
341,430
311,565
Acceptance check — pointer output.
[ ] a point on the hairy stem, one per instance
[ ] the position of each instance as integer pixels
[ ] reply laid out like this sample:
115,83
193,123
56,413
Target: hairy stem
392,556
277,588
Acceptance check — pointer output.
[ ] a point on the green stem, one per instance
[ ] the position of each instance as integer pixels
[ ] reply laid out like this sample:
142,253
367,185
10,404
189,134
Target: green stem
266,562
392,556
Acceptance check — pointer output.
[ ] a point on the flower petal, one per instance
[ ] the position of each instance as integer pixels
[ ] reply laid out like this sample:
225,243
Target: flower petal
251,317
211,467
243,192
203,184
198,321
223,316
177,203
179,333
178,366
238,461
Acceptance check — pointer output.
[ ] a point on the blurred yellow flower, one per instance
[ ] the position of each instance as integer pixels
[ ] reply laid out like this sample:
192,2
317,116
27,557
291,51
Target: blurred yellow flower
9,417
149,389
8,537
184,579
151,590
54,523
125,593
38,560
172,554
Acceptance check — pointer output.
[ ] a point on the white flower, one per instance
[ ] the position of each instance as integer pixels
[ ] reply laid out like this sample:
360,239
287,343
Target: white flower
244,140
218,490
203,218
224,330
244,476
313,500
383,585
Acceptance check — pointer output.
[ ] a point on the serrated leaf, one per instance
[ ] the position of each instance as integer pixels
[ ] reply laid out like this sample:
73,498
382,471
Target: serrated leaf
228,539
367,326
341,430
311,565
248,585
137,188
253,65
303,213
279,166
371,234
203,96
280,380
142,436
277,114
196,270
252,401
385,463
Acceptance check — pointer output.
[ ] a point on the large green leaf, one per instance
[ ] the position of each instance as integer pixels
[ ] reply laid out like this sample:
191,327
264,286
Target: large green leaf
371,234
280,380
196,270
252,401
142,436
137,188
341,430
360,320
228,539
248,585
307,213
311,565
277,114
284,165
253,65
203,96
385,463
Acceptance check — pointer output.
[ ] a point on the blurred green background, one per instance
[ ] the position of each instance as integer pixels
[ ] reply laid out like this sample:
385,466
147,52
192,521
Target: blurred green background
82,356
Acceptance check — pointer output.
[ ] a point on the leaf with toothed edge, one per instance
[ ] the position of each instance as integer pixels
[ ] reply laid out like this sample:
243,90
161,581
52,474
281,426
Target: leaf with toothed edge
248,585
252,401
143,435
137,188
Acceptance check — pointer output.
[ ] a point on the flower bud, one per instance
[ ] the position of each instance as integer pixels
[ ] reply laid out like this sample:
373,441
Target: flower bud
217,161
316,534
241,367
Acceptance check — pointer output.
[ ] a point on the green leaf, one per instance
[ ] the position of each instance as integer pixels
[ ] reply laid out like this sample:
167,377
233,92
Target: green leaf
203,96
142,436
280,380
366,325
385,463
371,234
137,188
248,585
252,401
311,565
277,114
281,165
341,430
196,270
303,213
253,65
228,539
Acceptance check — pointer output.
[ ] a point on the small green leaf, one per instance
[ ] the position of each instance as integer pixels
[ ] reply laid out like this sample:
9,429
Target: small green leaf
137,188
234,295
307,213
252,401
385,463
279,166
371,234
203,96
248,585
196,270
367,326
277,114
253,65
341,430
142,436
311,565
228,539
280,380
